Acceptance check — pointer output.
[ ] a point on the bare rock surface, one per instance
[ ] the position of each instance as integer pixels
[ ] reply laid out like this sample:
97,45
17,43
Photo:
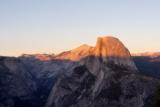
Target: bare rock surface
107,77
17,86
87,76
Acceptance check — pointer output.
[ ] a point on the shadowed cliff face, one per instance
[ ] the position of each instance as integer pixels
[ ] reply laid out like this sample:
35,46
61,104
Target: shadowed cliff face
17,86
26,81
107,77
99,76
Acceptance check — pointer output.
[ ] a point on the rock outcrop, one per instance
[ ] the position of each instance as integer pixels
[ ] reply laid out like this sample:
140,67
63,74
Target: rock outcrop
111,47
17,85
109,51
105,78
75,54
26,81
100,76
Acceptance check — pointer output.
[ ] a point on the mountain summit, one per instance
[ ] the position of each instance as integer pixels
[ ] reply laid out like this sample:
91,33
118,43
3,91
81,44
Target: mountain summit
106,77
111,47
112,51
108,50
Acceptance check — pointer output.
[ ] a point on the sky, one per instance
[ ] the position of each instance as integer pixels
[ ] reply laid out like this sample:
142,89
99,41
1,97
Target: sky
53,26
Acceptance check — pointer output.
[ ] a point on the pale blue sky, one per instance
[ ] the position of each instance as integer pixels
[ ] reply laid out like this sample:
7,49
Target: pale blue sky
52,26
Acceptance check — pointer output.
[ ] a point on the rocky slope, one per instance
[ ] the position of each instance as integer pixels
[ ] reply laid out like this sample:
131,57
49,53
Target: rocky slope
107,77
75,54
26,81
100,76
17,86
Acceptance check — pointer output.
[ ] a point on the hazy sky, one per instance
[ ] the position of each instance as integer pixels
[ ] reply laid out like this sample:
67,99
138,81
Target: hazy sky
52,26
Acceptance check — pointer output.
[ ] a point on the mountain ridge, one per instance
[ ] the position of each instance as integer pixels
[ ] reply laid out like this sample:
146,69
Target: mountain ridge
103,75
102,80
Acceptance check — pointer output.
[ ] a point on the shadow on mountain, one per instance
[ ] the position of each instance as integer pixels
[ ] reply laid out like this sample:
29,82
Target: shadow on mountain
28,82
102,82
22,84
148,65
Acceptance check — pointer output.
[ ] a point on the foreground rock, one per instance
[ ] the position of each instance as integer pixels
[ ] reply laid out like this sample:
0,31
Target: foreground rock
17,86
107,77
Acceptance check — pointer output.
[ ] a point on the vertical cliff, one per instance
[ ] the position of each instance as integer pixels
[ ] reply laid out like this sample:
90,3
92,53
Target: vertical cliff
107,77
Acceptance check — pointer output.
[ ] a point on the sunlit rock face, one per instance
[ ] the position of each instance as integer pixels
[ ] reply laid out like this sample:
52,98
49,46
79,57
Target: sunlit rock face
76,54
107,77
110,51
111,47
